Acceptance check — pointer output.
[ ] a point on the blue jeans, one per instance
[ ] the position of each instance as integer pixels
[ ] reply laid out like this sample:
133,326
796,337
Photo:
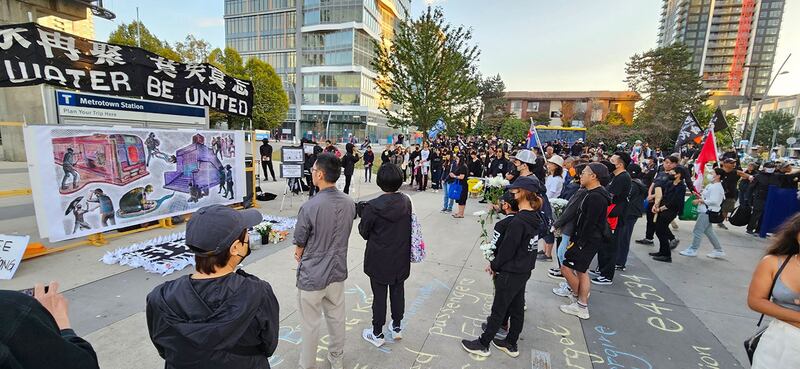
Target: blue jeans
448,202
562,248
704,227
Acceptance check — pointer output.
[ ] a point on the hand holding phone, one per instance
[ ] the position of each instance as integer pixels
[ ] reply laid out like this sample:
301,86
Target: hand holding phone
54,302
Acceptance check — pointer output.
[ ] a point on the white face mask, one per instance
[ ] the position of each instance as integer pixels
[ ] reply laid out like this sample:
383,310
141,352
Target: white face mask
769,170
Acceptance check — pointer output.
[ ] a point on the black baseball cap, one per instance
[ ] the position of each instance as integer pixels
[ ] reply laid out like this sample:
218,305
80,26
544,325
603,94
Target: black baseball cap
527,183
600,170
213,229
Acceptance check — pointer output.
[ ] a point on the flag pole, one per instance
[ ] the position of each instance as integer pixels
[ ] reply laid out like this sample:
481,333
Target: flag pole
536,134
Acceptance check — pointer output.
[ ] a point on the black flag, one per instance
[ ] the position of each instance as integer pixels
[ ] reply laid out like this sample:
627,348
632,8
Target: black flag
718,120
690,131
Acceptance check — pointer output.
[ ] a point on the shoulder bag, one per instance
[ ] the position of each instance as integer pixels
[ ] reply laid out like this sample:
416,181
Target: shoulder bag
418,251
751,343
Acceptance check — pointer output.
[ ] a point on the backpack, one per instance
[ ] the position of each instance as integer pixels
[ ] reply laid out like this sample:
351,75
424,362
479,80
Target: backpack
418,251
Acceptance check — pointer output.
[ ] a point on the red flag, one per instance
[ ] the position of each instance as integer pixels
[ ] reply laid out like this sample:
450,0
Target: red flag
707,154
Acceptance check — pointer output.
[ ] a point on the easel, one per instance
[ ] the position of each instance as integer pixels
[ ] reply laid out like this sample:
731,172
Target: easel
288,189
292,170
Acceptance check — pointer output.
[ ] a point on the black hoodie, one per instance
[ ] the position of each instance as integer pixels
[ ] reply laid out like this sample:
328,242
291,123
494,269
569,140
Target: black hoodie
516,252
226,322
386,225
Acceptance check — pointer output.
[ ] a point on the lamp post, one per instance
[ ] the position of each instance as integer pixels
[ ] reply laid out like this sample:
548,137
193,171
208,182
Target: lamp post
752,86
758,106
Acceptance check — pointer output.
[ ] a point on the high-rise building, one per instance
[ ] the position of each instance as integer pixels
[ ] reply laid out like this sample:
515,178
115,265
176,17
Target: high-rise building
338,93
724,36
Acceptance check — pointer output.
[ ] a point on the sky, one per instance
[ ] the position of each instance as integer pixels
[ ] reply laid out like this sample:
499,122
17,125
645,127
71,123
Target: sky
535,45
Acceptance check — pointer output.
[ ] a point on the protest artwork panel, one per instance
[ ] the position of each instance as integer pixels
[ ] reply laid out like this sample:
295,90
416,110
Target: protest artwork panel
87,180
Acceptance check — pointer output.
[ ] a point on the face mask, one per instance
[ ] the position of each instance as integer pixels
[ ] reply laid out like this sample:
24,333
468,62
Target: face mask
249,251
769,170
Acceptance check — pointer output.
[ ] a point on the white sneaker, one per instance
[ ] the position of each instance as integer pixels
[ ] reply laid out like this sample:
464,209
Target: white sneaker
689,252
575,309
396,333
563,291
716,254
336,362
369,336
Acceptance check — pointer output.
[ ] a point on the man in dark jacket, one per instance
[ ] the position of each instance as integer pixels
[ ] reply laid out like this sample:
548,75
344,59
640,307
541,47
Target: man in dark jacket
387,154
760,188
369,159
499,166
35,332
386,226
515,258
219,317
266,160
591,231
633,212
619,188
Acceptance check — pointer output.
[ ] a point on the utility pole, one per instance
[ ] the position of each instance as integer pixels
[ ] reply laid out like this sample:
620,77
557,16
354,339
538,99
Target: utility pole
758,106
298,66
138,29
754,70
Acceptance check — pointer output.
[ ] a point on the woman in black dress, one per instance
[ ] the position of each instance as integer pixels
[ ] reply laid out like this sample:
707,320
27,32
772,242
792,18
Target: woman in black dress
349,163
459,176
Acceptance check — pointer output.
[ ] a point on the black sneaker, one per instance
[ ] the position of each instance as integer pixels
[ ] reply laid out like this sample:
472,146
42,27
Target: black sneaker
673,243
645,241
544,257
475,347
506,347
602,281
501,333
654,254
665,259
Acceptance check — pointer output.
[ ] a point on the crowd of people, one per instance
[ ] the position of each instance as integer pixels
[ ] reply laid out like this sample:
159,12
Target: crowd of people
223,316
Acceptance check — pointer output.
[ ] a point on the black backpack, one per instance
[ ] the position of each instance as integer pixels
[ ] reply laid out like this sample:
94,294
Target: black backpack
740,216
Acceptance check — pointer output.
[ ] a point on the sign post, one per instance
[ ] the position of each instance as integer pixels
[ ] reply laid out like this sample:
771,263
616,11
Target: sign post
292,160
11,250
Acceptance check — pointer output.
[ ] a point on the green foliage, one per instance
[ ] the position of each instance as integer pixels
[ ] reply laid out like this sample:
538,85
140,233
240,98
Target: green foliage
540,117
270,102
128,35
724,141
515,129
428,71
670,89
193,50
613,118
228,60
493,112
612,135
776,120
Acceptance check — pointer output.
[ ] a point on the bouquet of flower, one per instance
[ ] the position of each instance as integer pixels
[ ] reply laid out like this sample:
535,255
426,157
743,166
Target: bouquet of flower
558,206
495,188
264,230
488,251
278,236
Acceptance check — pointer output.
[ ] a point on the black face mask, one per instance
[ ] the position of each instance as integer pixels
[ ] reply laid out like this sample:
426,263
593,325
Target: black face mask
249,251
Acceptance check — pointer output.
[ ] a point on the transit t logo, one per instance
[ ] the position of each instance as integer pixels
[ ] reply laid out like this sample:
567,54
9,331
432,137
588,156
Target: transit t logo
68,99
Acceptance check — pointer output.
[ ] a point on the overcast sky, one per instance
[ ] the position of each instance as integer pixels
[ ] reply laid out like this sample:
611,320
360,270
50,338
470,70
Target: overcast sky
535,45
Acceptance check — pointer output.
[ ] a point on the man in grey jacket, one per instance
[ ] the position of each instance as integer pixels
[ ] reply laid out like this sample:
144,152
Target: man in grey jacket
321,235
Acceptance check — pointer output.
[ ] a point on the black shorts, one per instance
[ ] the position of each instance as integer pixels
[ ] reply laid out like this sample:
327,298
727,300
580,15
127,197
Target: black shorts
579,258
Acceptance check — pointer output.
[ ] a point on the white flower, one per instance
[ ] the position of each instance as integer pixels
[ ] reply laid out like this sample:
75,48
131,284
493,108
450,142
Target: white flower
478,186
479,213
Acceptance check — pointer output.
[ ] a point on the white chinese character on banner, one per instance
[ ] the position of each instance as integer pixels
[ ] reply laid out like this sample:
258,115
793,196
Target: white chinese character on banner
166,66
196,70
107,54
9,35
241,87
217,78
54,40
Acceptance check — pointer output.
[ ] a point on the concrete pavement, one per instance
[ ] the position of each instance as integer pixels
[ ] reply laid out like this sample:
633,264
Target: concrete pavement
688,314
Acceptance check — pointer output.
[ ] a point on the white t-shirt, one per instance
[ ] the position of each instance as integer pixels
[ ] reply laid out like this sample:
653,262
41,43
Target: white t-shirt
553,185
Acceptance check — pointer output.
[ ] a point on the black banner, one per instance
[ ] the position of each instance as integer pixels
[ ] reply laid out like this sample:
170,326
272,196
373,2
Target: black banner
718,120
31,54
690,131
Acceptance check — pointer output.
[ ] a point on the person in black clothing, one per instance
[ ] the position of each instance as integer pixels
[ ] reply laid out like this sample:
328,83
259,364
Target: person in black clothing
730,182
436,169
36,332
475,165
589,234
369,159
577,148
386,226
411,160
459,176
218,317
671,205
499,165
515,258
619,188
745,186
758,199
266,160
349,163
387,154
633,212
539,169
660,180
309,163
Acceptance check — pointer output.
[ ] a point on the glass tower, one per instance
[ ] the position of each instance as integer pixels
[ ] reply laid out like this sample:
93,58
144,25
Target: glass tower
724,35
338,93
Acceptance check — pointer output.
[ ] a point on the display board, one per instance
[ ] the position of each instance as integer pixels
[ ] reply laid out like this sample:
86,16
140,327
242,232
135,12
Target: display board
292,154
550,134
291,170
87,180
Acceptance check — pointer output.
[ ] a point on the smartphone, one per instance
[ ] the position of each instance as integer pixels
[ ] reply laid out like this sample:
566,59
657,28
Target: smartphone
29,291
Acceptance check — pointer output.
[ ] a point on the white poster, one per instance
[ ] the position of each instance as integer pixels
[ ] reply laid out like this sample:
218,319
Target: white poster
11,250
87,180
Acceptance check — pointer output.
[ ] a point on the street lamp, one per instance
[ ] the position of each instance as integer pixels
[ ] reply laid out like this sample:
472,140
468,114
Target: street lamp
752,86
758,107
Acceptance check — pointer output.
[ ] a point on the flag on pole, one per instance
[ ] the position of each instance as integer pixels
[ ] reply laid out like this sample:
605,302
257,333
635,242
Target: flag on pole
718,121
690,131
438,127
708,153
534,135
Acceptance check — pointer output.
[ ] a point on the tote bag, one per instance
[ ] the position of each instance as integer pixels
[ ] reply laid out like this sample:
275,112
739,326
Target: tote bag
418,251
454,191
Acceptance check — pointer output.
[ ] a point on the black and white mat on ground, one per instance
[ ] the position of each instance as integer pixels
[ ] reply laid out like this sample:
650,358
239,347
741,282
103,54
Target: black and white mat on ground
167,254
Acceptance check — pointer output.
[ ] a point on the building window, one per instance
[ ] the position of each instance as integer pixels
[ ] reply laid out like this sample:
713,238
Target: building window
516,108
533,107
615,107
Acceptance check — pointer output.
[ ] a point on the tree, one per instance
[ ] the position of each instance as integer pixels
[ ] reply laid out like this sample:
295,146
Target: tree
670,89
428,71
540,118
493,104
614,119
515,129
270,102
567,113
128,35
193,50
776,120
724,140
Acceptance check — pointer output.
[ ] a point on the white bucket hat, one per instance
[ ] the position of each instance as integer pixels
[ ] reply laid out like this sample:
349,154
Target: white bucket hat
557,160
525,156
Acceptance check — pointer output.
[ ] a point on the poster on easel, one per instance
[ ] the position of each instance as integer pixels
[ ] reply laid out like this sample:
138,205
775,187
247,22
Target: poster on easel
87,180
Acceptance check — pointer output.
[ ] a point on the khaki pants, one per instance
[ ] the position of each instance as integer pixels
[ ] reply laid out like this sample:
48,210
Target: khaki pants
312,304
